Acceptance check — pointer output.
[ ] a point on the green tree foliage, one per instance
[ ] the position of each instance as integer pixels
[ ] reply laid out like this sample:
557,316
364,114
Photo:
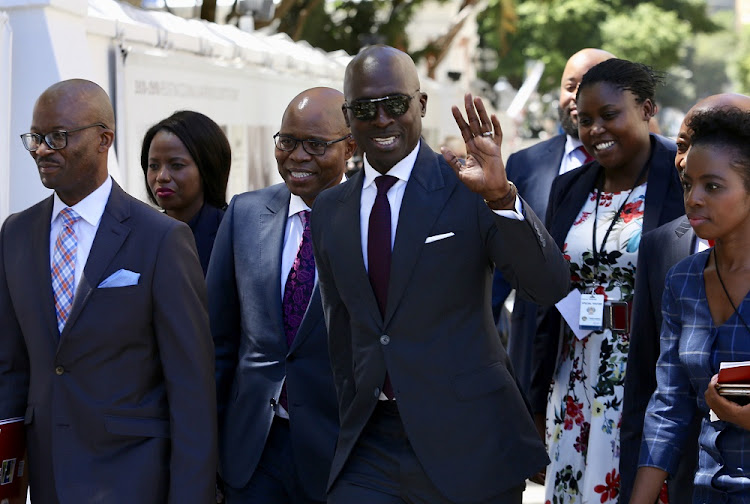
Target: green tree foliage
552,30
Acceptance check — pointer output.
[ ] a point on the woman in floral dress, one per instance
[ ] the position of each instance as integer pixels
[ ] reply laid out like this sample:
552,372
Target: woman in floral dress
597,214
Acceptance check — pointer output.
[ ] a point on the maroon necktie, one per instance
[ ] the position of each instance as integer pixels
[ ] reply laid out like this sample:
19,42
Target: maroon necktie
298,289
589,157
379,251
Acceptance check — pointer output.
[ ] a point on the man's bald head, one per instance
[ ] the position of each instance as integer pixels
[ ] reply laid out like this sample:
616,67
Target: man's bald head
324,104
575,68
311,119
82,109
92,102
381,58
383,84
721,100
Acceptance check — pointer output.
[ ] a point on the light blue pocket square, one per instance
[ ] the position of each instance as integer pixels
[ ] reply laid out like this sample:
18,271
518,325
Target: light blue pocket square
120,278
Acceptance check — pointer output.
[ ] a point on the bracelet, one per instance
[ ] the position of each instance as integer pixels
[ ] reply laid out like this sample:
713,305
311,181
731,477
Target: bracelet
503,202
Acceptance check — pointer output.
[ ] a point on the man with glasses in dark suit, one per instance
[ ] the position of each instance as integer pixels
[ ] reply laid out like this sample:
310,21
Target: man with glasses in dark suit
106,350
278,419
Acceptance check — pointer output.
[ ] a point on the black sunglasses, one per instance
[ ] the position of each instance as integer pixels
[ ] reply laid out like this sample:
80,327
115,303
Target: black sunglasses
55,140
365,109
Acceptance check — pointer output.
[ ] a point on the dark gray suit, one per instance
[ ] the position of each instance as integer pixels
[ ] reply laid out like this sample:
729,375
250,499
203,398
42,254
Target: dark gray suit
660,249
118,408
252,355
461,409
532,170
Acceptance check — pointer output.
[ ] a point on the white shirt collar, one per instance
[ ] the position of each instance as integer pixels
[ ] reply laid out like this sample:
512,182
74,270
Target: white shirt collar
297,204
401,170
90,208
571,144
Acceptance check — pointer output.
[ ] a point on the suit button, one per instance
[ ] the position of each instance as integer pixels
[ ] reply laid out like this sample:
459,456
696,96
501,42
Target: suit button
377,392
273,402
290,358
59,370
385,339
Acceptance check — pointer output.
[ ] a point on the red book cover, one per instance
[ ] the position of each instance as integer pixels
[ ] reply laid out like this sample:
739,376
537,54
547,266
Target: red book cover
734,372
13,474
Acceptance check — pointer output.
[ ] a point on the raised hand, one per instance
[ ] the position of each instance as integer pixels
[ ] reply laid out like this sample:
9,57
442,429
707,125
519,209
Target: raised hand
484,172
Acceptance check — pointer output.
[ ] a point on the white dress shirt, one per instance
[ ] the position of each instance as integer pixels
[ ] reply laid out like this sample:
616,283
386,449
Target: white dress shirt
91,209
292,239
402,171
573,158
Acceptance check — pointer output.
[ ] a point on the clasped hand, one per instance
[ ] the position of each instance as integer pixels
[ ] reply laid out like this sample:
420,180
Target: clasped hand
726,410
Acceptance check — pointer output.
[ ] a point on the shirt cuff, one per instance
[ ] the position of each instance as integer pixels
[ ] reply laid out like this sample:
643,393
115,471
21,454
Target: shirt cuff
515,214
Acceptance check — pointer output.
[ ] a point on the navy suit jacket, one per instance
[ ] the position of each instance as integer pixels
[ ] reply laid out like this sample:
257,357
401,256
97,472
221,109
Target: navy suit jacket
205,225
532,170
660,249
461,409
252,354
119,407
568,195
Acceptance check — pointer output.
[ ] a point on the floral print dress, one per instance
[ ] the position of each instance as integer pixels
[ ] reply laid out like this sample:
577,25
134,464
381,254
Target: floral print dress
585,406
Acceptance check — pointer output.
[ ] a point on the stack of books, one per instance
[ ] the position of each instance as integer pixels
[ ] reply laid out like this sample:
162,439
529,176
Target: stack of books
13,474
734,381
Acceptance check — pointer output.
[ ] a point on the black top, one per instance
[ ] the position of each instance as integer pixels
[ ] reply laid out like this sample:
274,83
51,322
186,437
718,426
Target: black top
204,225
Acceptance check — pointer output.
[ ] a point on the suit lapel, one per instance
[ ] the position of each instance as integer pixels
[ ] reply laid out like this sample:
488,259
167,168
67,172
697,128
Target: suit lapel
685,238
109,238
349,246
425,196
271,244
574,195
313,315
658,185
40,259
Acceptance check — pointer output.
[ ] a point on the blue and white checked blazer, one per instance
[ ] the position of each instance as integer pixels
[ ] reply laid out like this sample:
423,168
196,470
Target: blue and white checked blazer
691,350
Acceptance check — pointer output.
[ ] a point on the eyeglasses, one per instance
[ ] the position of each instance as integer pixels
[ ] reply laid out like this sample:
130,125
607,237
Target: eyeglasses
395,105
55,140
288,143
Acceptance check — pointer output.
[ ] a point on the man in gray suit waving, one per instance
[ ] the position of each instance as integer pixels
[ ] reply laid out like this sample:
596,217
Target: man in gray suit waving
106,349
429,409
278,419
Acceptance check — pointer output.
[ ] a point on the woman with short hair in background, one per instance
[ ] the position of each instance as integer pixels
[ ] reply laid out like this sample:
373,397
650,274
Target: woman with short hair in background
597,214
706,313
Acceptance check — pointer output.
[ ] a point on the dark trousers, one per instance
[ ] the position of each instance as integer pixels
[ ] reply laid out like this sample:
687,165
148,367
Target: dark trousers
275,479
383,468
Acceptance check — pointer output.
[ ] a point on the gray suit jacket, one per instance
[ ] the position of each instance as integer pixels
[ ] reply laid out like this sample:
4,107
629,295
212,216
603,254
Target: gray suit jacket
462,411
660,249
252,355
119,407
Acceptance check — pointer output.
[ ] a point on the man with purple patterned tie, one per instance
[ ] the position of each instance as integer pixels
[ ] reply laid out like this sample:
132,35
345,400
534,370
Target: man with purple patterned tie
278,418
106,350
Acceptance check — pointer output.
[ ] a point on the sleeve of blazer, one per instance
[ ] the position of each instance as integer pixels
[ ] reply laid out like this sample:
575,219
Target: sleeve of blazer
14,361
181,326
640,379
528,257
224,308
546,340
336,317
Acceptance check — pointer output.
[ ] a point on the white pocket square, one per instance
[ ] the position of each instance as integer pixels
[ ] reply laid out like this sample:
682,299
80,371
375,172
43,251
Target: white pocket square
120,278
435,238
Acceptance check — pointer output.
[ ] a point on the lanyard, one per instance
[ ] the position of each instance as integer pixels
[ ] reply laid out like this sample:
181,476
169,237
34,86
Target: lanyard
600,252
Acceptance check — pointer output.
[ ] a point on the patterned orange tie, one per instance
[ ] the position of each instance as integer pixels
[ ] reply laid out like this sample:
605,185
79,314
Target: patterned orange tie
64,266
